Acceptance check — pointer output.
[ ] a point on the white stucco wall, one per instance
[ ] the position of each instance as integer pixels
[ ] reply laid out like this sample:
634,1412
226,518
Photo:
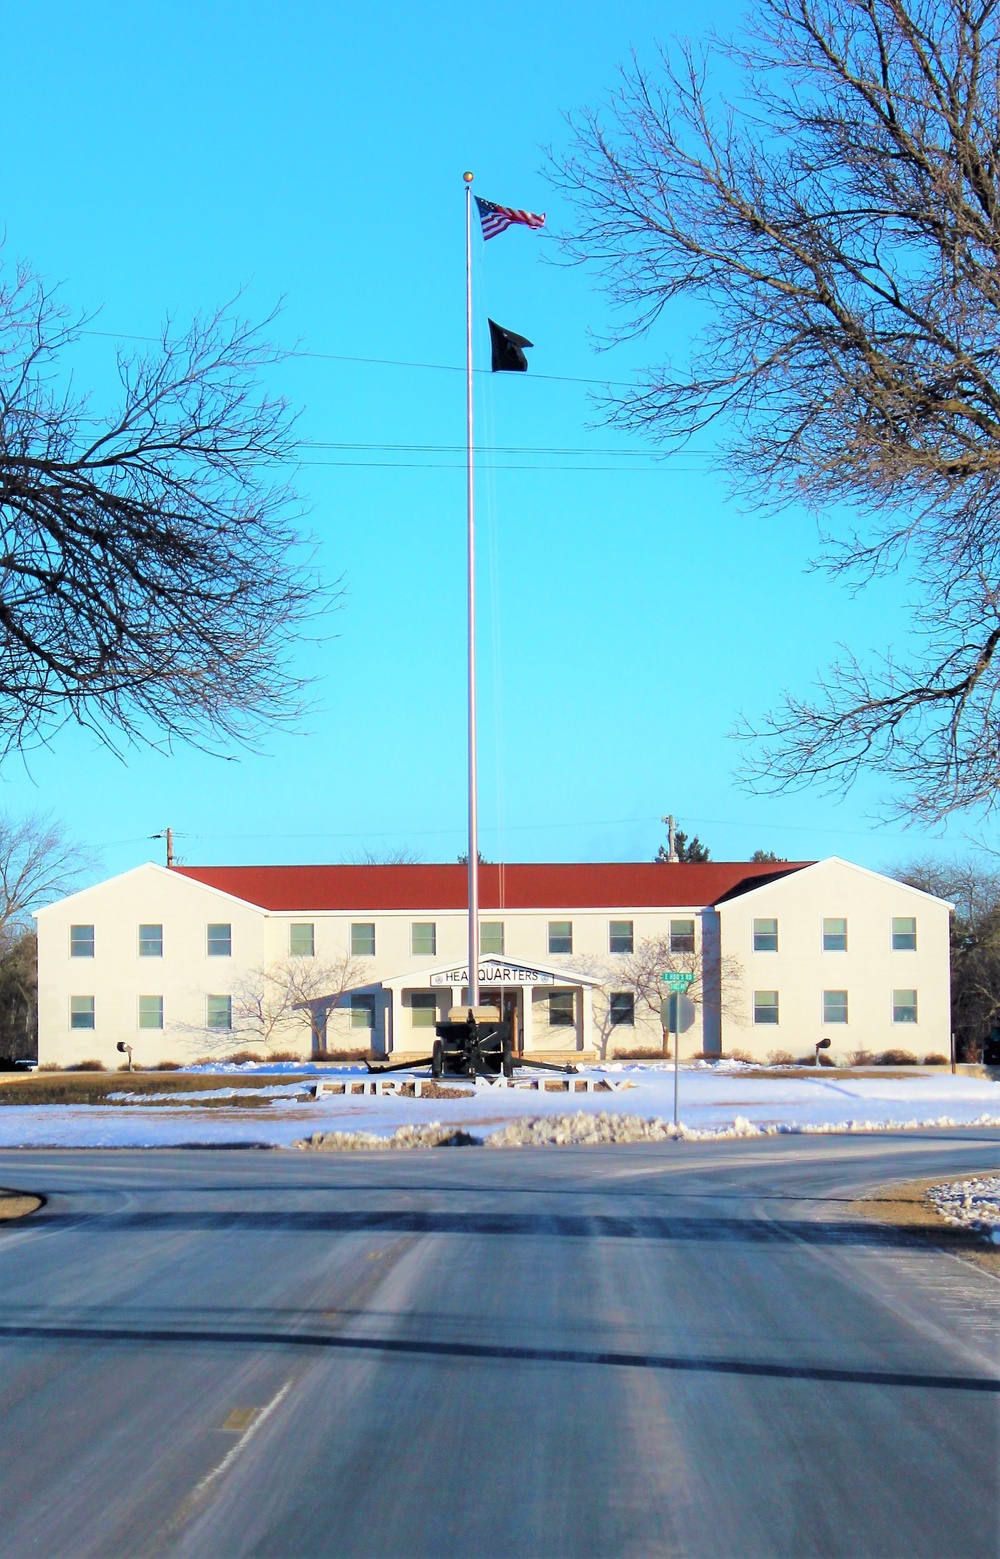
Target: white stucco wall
800,971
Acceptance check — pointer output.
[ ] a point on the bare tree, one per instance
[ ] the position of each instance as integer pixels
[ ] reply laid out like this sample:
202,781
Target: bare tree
973,886
840,221
608,971
280,997
390,856
37,863
18,994
151,580
717,983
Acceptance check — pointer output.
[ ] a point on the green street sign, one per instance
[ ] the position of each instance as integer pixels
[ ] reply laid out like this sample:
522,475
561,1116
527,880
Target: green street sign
674,980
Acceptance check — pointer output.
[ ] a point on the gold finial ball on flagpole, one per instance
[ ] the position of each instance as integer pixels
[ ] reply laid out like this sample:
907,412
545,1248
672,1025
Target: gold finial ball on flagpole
467,177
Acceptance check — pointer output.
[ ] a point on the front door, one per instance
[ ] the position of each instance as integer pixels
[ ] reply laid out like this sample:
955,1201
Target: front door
509,1003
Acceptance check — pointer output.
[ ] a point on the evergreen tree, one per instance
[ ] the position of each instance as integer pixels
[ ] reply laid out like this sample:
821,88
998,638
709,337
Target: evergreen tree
691,851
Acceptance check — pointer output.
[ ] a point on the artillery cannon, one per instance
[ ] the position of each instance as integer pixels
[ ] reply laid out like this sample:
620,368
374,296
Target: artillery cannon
471,1042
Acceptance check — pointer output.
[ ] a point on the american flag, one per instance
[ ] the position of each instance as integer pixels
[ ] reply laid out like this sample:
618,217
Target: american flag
497,219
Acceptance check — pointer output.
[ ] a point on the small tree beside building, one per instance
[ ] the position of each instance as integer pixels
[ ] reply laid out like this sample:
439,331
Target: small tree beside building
274,1002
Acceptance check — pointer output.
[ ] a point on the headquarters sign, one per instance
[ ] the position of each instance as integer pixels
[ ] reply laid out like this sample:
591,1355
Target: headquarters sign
495,971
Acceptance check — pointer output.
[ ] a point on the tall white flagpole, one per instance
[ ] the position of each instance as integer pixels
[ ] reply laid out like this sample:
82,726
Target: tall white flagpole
471,504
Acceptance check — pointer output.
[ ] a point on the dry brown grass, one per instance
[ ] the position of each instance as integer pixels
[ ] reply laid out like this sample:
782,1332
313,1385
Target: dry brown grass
346,1056
89,1088
17,1204
904,1206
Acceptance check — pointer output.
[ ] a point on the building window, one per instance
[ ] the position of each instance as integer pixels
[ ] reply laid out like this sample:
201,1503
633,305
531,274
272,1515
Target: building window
491,938
363,1012
363,939
835,936
765,936
81,941
423,938
150,941
423,1009
301,940
220,942
81,1012
834,1006
904,1006
560,936
620,939
561,1013
622,1011
219,1012
150,1012
682,936
904,934
765,1006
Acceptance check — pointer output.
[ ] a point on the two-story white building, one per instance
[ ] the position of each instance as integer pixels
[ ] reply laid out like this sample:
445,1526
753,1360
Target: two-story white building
194,960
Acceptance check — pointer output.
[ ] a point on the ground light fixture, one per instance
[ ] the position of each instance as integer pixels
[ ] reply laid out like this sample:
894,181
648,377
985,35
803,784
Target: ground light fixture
824,1044
126,1050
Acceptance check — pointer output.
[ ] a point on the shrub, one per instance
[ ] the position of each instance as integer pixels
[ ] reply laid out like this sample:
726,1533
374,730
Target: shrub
861,1058
166,1066
896,1058
780,1058
286,1055
345,1055
87,1066
639,1053
824,1058
742,1055
243,1058
935,1060
50,1066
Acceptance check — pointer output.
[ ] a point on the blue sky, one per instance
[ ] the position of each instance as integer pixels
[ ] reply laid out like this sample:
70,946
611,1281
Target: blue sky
160,157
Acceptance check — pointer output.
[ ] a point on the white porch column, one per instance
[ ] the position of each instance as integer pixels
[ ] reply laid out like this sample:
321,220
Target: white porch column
526,1005
587,1026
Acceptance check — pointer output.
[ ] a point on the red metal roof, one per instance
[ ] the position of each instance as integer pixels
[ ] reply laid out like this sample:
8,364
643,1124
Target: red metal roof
523,885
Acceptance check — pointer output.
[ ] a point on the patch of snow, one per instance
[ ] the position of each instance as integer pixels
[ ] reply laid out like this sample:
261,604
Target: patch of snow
182,1096
433,1135
970,1204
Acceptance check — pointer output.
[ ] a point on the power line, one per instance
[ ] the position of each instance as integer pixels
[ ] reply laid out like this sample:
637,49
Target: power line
385,362
457,832
440,465
489,449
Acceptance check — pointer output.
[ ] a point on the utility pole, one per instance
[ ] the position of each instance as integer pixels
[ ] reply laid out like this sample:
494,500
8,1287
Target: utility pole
168,835
671,840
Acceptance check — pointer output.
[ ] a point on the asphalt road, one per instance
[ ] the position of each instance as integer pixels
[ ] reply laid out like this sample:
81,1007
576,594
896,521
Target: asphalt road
688,1349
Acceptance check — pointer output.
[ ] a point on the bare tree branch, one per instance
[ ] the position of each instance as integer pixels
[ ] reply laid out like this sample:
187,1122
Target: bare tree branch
275,999
840,225
151,579
37,863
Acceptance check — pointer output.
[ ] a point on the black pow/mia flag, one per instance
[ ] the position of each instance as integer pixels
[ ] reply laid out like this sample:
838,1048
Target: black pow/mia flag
508,358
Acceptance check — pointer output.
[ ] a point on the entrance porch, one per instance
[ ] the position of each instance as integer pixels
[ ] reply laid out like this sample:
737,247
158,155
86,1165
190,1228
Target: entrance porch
551,1011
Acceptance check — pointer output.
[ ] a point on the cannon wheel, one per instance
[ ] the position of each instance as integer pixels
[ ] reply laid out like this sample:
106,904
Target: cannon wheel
437,1058
507,1061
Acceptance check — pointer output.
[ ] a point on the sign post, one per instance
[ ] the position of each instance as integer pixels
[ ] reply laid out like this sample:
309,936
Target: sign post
677,983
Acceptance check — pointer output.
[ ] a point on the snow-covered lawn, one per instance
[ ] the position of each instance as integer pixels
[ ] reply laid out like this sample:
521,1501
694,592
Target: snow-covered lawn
714,1100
